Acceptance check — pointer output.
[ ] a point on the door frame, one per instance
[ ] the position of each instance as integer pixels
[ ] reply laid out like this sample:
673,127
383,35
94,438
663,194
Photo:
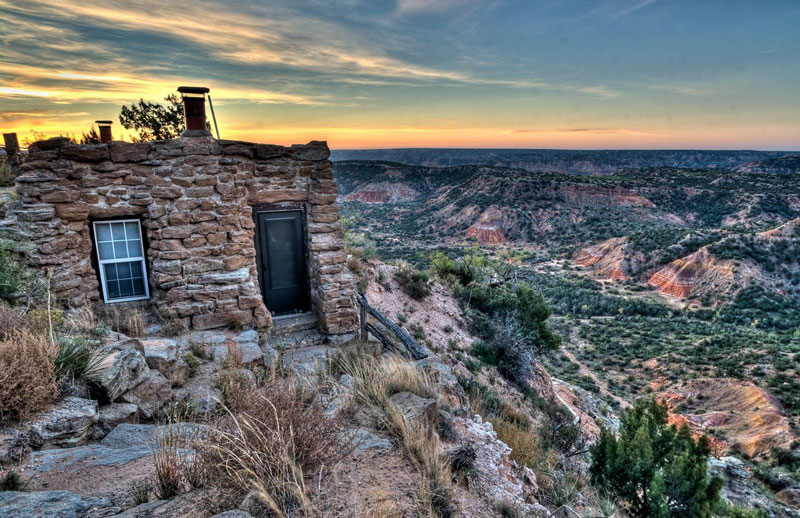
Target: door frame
283,207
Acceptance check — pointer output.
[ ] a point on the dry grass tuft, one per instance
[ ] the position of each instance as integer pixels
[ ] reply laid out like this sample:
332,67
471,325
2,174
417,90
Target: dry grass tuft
128,320
176,469
271,438
82,320
376,380
27,375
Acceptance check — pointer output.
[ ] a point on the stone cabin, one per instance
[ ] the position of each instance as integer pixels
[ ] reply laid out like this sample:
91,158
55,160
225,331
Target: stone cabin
209,232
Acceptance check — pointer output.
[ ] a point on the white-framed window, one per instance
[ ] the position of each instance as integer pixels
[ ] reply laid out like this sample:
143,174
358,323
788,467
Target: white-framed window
120,255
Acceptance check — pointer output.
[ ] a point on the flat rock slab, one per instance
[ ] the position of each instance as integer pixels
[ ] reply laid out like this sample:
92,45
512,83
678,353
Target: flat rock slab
365,440
49,504
306,360
415,407
250,351
128,435
146,435
186,504
85,456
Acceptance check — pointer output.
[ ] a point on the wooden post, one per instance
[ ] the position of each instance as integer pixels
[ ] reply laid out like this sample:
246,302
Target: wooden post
416,350
363,318
12,150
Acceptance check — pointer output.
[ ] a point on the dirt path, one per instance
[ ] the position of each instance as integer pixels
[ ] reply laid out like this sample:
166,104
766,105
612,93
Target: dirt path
584,370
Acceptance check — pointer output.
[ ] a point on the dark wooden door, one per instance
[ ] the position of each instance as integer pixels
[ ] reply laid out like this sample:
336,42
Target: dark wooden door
282,261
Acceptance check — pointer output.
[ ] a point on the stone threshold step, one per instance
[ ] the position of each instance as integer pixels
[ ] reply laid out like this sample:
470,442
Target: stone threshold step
285,324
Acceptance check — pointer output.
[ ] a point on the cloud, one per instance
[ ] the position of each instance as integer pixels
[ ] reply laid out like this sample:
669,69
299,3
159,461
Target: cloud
418,6
600,131
635,7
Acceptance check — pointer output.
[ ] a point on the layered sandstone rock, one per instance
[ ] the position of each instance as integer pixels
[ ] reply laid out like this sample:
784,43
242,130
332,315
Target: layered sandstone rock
681,277
487,229
598,195
195,198
383,192
747,416
486,234
790,229
608,259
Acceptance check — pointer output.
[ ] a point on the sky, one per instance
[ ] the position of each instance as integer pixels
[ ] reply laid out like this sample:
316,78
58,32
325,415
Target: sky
649,74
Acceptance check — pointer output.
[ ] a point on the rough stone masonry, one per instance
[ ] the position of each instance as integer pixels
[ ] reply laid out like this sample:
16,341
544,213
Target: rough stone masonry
195,197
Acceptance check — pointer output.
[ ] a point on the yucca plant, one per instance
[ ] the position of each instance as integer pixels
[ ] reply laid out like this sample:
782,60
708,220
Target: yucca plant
76,360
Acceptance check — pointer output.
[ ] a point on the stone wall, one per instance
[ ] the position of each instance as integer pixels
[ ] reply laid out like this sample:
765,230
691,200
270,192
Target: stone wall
195,198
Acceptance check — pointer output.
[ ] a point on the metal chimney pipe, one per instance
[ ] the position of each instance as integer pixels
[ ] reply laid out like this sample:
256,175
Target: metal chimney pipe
105,130
194,109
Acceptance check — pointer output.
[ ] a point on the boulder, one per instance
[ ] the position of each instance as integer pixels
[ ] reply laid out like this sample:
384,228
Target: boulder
496,477
365,440
131,435
250,351
15,444
49,504
790,496
415,407
112,415
737,488
164,355
68,424
233,514
124,367
204,397
149,395
254,505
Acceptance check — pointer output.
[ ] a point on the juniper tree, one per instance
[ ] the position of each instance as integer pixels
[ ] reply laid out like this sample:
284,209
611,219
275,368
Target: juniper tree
653,468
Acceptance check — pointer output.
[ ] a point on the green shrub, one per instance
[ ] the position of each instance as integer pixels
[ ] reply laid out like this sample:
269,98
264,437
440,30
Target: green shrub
15,277
6,175
192,362
11,481
414,283
653,468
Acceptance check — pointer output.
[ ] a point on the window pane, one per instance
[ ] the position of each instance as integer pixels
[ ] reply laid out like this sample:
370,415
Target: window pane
138,286
134,249
118,231
136,269
111,271
103,231
132,230
126,288
106,250
124,270
120,250
113,289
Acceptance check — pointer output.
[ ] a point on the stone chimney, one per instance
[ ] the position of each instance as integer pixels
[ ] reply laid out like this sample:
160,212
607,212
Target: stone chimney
194,110
105,130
